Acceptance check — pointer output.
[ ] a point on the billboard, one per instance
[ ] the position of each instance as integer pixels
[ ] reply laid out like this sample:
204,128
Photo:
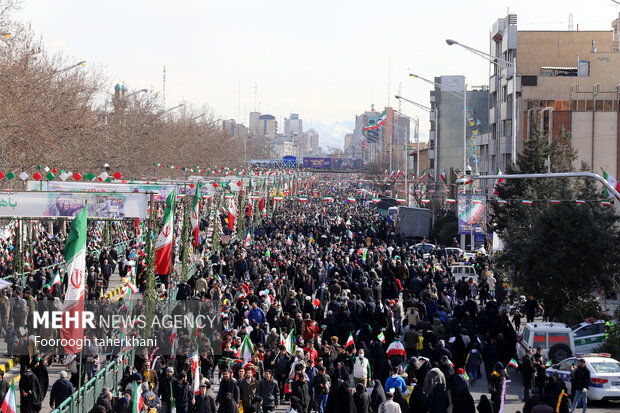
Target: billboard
160,191
69,204
325,163
472,213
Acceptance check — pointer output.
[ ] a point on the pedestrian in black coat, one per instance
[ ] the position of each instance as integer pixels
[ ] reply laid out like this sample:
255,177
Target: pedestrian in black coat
377,396
61,390
361,398
203,402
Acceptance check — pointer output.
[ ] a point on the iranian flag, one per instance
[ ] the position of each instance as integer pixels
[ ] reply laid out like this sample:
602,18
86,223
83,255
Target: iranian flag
443,176
138,402
289,343
246,350
612,181
350,341
194,217
174,339
163,245
248,240
75,257
499,180
55,280
396,349
9,405
196,373
232,214
380,121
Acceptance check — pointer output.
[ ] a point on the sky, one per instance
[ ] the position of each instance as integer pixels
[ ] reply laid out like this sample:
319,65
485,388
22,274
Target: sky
325,60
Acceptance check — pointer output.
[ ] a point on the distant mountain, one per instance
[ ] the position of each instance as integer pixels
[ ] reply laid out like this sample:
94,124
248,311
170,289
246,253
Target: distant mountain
332,134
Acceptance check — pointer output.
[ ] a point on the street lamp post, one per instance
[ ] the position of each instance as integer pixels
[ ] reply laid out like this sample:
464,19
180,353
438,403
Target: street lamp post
173,108
503,63
78,64
133,94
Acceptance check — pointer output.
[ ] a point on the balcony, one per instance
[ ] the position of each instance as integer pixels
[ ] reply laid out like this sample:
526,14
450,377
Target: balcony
506,110
493,81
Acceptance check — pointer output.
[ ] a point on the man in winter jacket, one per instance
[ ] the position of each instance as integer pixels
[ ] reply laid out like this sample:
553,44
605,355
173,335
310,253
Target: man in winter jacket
269,391
580,381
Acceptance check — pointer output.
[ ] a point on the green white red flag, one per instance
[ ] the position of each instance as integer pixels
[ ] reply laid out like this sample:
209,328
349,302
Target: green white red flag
55,280
289,343
195,216
380,121
75,257
499,180
138,402
350,341
163,245
9,405
246,350
612,181
196,373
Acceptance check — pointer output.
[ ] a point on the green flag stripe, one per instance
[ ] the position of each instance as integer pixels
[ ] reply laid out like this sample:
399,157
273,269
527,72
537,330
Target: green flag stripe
76,241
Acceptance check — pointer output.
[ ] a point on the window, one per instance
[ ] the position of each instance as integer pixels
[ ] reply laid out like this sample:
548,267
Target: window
540,340
508,130
606,367
526,335
567,364
504,93
585,331
558,338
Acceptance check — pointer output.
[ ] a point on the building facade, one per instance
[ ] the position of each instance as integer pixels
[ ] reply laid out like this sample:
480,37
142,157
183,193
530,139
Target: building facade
458,117
566,80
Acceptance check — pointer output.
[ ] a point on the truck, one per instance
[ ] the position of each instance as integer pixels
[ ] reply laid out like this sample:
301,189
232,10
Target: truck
413,222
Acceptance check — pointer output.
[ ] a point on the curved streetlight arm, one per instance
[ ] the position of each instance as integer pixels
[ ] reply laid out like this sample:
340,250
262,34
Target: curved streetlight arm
458,94
78,64
174,107
493,59
415,119
419,105
592,175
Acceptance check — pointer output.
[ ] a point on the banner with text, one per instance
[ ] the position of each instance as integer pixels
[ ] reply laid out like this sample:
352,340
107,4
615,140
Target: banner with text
160,192
69,204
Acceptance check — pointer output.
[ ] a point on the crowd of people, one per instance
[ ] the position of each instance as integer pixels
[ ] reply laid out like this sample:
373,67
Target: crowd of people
342,315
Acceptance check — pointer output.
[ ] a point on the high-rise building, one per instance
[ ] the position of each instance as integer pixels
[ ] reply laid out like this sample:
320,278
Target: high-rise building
385,144
293,125
565,80
311,140
236,130
254,119
458,116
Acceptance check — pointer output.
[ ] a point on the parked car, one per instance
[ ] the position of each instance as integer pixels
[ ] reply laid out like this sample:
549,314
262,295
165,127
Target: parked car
604,375
588,335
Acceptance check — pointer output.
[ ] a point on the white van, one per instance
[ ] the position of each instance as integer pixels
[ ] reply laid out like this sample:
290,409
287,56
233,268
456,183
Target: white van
463,272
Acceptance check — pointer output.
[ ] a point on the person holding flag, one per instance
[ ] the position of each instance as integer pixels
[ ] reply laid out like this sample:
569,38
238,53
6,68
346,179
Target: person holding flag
9,404
163,244
195,216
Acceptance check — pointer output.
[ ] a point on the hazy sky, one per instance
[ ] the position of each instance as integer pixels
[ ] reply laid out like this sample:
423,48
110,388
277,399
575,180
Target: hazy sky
326,60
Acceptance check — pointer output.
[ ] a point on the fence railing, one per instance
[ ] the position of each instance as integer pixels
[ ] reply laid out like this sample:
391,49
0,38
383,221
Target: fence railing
120,248
85,398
